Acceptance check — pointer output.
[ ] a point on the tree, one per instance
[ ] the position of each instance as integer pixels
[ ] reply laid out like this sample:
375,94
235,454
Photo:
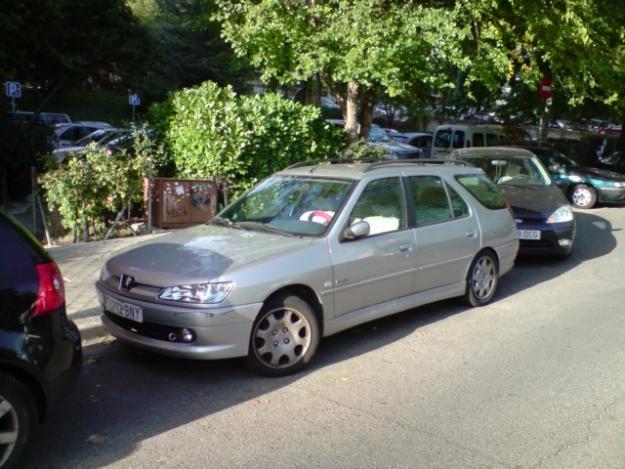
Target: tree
186,48
55,43
360,49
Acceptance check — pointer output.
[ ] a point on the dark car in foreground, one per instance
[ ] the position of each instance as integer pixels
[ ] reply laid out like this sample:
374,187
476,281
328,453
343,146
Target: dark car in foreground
40,351
584,186
545,220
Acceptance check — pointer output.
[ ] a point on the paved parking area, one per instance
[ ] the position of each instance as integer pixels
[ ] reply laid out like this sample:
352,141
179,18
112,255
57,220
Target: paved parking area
80,265
534,379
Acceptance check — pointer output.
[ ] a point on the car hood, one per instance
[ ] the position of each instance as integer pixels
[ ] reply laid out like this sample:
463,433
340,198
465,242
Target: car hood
597,173
200,254
535,203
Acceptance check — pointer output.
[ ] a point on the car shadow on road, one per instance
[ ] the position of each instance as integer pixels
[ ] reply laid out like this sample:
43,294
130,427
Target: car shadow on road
126,396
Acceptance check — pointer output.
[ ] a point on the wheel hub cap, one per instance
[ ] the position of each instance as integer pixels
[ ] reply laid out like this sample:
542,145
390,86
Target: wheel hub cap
483,278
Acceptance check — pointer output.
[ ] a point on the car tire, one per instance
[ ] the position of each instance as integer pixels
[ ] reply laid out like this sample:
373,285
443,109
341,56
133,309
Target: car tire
284,337
482,279
583,196
18,418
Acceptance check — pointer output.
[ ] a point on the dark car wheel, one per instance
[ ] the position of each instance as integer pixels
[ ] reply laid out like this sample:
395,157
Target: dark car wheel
482,279
583,196
17,419
284,337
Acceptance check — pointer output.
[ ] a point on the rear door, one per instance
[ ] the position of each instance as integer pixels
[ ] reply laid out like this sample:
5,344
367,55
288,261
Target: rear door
446,231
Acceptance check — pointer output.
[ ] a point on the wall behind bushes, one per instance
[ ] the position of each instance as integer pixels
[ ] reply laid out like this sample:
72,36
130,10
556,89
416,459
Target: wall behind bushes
211,131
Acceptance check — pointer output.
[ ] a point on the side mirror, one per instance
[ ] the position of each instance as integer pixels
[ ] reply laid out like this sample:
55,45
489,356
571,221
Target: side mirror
357,230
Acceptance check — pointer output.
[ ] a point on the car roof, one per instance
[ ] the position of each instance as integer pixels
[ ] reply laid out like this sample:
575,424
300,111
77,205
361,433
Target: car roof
357,170
491,152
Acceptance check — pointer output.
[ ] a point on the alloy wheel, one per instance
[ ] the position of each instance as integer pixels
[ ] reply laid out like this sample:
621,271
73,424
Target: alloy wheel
281,338
581,197
483,278
9,430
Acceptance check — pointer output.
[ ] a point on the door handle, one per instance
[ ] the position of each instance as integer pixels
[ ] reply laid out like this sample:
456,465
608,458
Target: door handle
405,248
471,234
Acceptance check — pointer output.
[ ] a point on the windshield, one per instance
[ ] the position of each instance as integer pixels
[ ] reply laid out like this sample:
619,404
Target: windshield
513,171
95,136
290,204
378,134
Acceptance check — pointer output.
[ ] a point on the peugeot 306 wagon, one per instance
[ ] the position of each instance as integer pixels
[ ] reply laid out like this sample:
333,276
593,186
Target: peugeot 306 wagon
308,252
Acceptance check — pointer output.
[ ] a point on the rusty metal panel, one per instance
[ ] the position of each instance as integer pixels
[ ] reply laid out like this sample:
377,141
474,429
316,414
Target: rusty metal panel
177,203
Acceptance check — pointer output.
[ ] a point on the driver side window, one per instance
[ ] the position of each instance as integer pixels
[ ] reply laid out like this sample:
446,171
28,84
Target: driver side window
381,204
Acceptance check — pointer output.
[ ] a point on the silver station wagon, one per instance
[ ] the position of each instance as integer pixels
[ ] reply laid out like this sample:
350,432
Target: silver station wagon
308,252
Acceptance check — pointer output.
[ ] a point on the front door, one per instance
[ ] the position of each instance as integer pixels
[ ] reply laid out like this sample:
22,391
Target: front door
379,267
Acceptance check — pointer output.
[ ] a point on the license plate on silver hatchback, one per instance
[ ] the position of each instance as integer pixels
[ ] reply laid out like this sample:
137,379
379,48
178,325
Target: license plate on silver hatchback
125,310
533,235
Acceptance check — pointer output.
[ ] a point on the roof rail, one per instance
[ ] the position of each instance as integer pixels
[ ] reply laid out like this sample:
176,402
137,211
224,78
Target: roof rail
378,163
333,161
417,161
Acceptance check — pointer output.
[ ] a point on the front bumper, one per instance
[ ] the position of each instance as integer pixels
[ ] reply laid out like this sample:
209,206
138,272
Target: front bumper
218,332
555,239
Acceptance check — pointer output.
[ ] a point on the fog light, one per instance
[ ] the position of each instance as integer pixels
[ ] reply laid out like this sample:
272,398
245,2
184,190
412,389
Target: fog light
564,242
187,335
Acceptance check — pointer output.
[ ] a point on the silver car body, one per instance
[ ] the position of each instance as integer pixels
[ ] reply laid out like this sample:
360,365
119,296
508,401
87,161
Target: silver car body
350,282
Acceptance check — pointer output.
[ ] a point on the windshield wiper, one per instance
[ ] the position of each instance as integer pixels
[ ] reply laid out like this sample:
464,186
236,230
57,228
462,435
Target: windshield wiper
223,222
253,225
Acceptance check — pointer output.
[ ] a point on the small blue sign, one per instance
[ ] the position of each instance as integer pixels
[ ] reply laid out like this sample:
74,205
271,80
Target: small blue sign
13,89
134,99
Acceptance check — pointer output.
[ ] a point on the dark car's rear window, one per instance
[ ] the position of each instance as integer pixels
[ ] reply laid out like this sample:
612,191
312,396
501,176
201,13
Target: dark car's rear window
483,189
12,234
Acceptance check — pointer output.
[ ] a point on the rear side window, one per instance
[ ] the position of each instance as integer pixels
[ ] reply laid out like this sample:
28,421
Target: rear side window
458,141
443,138
483,189
459,207
429,200
478,140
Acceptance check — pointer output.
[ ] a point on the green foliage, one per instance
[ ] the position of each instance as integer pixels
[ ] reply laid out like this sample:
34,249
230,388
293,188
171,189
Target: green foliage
213,132
361,150
89,188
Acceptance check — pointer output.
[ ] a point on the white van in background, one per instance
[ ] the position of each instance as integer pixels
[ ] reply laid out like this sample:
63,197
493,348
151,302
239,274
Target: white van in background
450,137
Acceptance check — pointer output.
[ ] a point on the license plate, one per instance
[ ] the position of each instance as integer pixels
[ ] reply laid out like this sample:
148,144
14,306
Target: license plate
125,310
528,234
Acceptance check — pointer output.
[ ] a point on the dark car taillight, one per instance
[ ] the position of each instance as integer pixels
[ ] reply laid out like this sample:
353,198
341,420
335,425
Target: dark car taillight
50,292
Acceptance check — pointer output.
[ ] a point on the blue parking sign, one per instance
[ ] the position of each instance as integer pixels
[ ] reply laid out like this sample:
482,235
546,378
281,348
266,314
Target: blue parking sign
134,99
13,89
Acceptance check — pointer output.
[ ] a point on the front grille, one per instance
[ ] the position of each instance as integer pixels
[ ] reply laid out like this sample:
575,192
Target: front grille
154,331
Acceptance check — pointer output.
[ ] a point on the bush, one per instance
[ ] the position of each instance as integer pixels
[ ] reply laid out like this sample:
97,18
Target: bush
211,131
89,188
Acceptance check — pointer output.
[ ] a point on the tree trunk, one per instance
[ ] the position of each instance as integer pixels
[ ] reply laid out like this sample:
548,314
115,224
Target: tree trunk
543,129
352,112
366,113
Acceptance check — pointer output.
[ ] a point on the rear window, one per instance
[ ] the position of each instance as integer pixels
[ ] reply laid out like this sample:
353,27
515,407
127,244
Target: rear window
483,189
478,140
458,141
13,232
492,140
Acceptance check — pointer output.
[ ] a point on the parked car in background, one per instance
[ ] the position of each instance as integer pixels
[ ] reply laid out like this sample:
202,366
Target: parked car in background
420,140
584,186
66,135
40,351
311,251
545,220
100,138
380,138
50,118
451,137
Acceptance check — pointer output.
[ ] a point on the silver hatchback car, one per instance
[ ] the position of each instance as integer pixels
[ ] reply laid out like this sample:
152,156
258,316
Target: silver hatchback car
308,252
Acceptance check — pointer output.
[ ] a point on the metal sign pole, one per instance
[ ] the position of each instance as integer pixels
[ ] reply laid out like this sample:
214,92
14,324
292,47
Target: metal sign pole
13,104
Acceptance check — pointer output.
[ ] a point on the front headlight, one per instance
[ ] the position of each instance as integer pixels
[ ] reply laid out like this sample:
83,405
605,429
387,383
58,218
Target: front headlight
575,178
201,293
104,273
619,184
563,214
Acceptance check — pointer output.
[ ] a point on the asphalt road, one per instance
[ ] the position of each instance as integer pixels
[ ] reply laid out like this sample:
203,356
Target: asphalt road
537,378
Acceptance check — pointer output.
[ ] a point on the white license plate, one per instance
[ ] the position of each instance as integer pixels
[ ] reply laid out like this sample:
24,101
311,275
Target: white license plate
125,310
528,234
